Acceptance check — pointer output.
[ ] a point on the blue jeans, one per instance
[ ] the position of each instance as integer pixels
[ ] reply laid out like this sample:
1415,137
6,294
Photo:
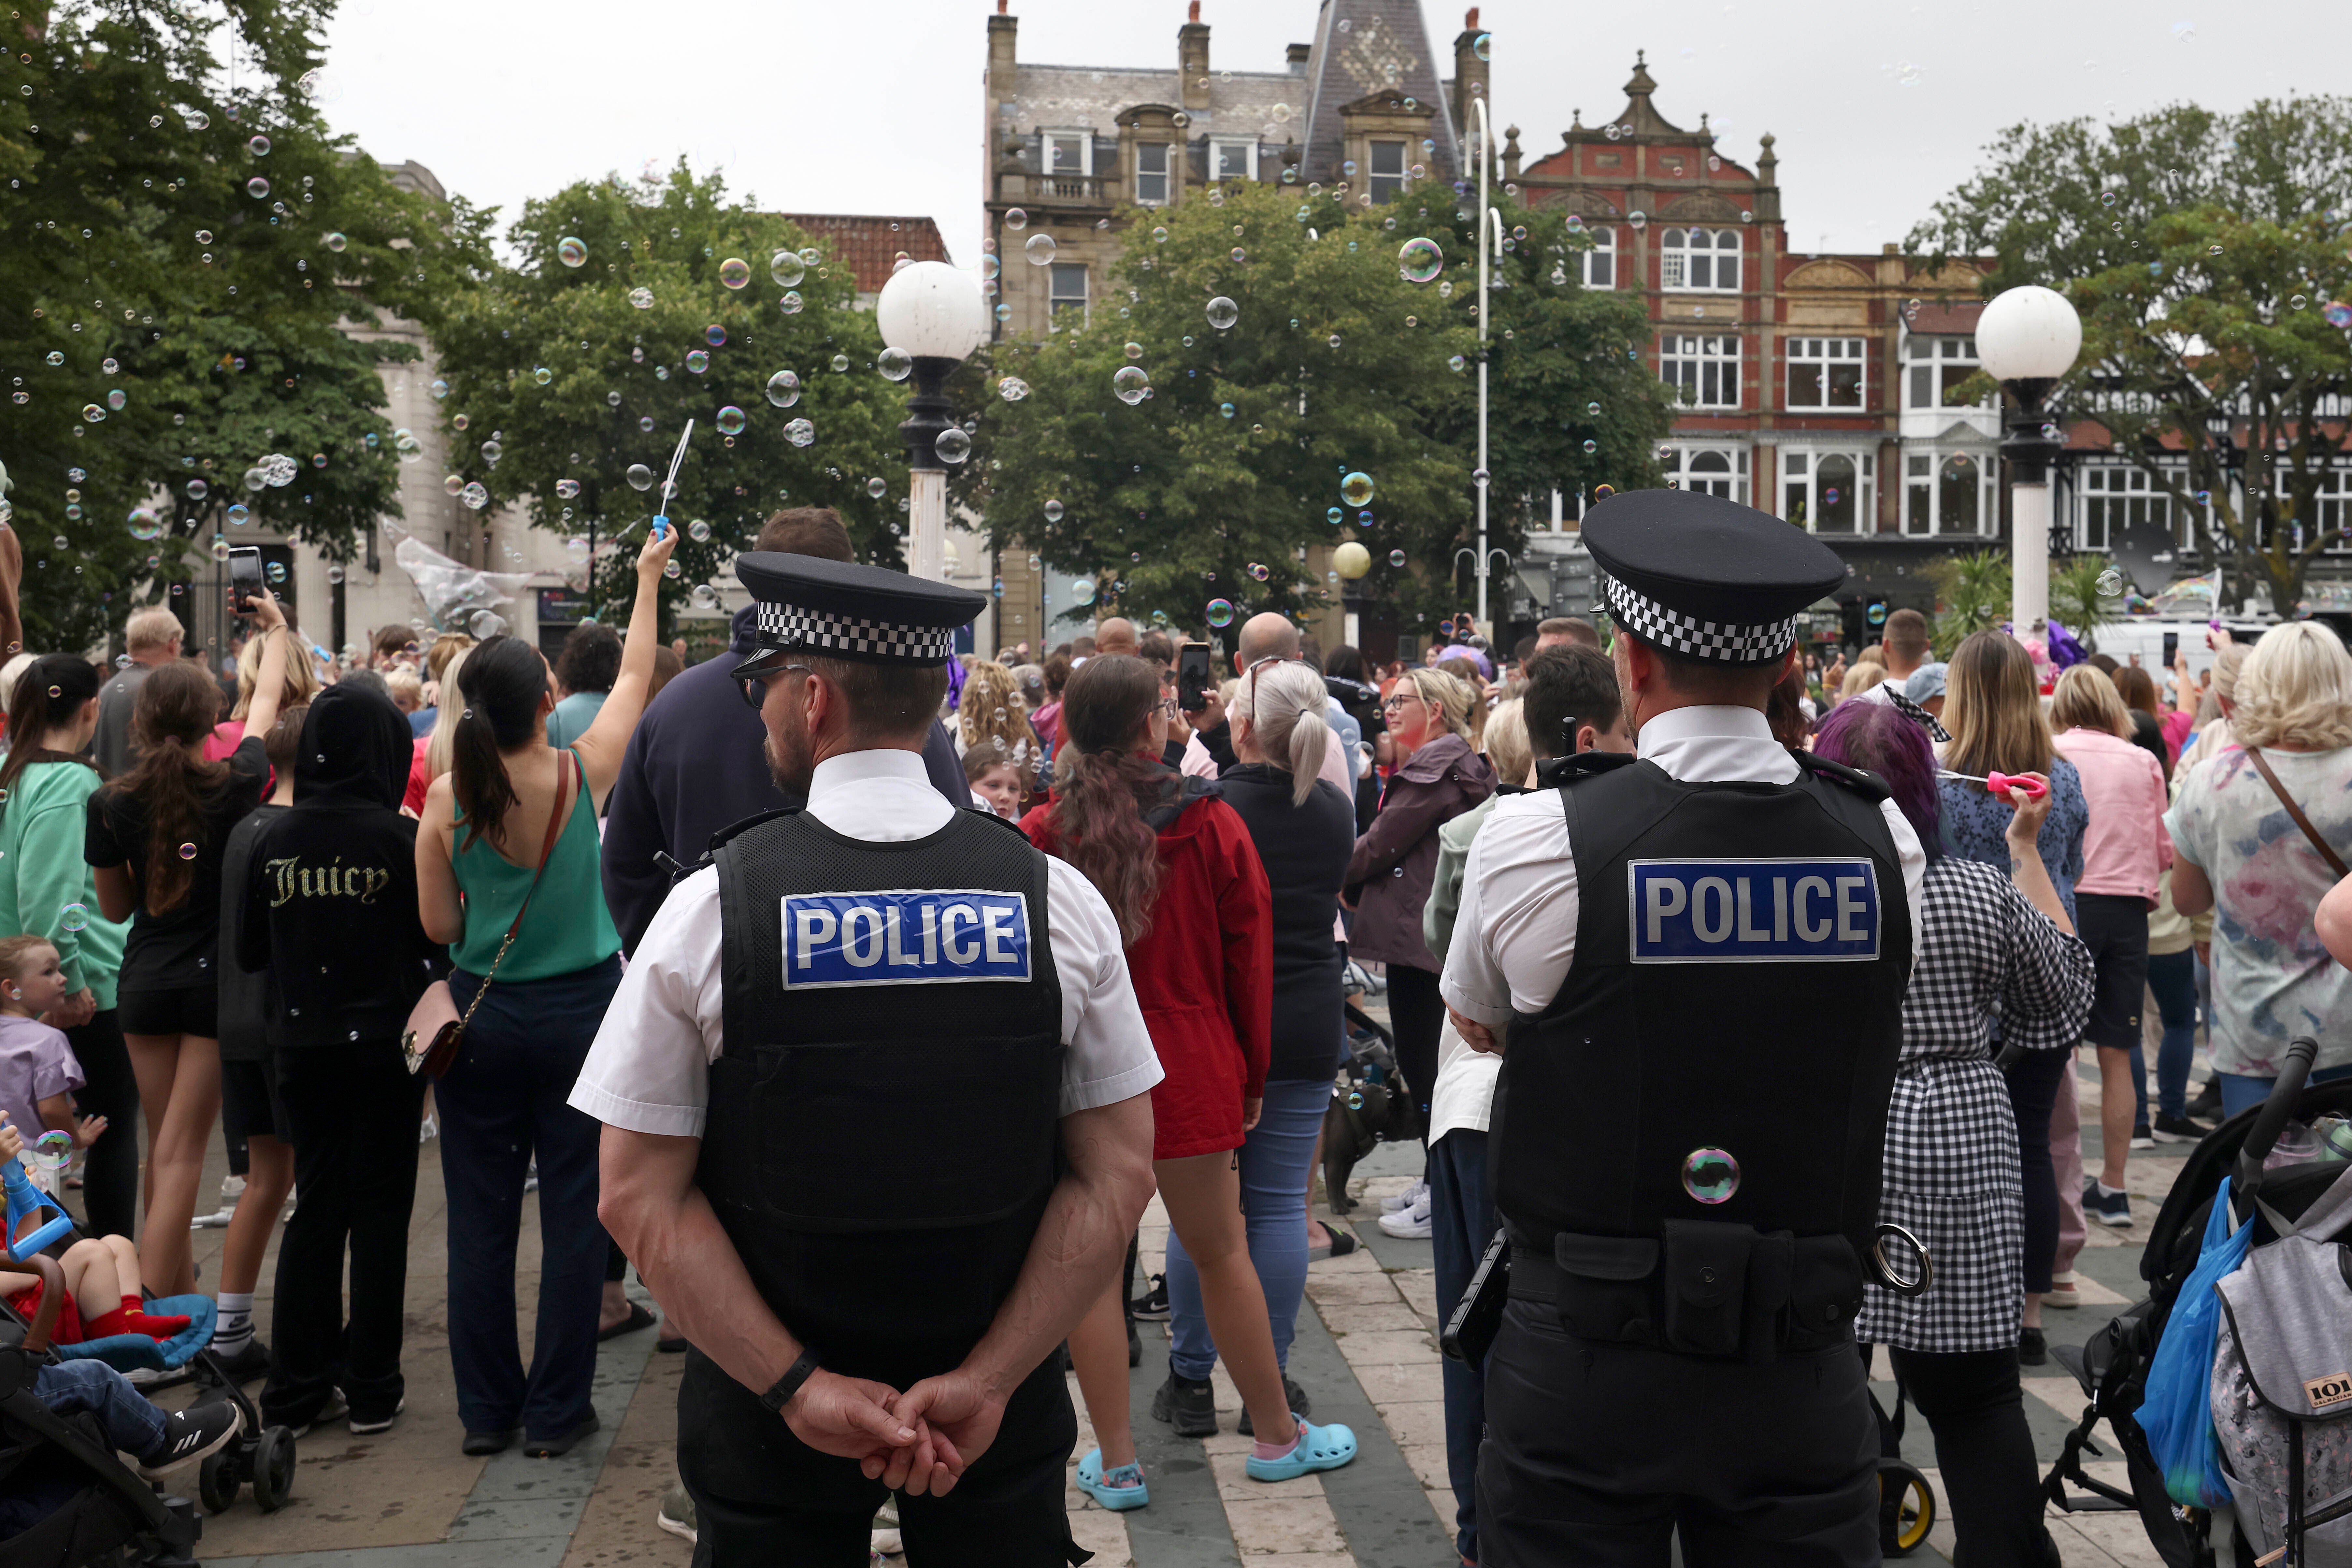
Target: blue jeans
2172,976
2241,1092
501,1101
1275,1159
48,1481
1461,1223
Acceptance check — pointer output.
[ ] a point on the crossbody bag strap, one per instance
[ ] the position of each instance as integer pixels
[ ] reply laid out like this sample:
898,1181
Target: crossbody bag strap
555,823
2294,811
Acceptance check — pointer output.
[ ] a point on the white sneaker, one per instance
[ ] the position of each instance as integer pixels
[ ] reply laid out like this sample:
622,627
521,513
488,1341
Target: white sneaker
232,1189
1409,1225
1398,1203
427,1129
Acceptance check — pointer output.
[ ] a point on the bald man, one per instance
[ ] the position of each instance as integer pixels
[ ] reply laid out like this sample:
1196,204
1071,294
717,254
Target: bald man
1264,636
1117,635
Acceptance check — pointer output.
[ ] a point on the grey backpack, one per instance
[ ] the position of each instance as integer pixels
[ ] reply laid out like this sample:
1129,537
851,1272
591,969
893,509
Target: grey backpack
2282,1389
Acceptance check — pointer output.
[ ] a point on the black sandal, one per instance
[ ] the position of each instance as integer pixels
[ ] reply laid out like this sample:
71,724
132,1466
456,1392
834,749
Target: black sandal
638,1317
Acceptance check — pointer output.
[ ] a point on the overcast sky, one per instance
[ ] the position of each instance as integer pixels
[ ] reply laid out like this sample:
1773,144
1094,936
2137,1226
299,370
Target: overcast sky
873,106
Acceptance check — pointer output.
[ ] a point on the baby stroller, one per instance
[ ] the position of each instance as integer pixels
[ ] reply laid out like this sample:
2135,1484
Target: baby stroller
110,1514
2113,1366
1370,1102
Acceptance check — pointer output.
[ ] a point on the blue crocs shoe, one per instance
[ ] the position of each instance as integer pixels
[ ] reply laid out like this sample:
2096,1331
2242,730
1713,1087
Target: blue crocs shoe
1105,1490
1319,1448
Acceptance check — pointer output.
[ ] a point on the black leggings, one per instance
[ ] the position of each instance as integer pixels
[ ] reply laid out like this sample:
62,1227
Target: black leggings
1416,1017
2033,1092
109,1172
1974,1404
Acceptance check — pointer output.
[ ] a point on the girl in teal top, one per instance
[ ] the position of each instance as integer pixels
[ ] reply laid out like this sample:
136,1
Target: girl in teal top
503,1101
47,890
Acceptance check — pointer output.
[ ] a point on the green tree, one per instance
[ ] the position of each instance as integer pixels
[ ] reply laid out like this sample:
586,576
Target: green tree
176,262
2084,596
2207,255
570,369
1211,485
1972,593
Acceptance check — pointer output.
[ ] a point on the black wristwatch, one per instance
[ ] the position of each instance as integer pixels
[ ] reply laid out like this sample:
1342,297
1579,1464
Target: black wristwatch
800,1371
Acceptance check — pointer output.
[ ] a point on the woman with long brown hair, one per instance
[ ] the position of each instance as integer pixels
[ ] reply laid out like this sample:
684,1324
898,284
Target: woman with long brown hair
1993,706
1176,865
157,836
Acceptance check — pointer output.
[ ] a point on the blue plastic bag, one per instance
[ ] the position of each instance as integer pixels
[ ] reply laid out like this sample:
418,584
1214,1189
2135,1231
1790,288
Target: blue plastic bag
2176,1410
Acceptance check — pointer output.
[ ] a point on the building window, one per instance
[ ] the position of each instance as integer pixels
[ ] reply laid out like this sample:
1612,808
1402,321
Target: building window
1700,259
2115,496
1069,151
1601,262
1705,367
1938,367
1828,492
1232,159
1942,496
1151,174
1069,289
2331,508
1387,170
1825,373
1711,472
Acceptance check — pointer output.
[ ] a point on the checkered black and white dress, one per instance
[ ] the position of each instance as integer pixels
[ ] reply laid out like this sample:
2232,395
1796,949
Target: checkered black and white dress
1952,1173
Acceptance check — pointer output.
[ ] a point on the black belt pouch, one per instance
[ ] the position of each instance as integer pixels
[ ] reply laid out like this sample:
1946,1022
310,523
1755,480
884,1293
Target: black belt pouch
1605,1287
1704,1280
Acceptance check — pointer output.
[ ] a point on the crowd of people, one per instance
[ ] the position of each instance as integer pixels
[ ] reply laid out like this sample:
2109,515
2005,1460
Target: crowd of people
225,897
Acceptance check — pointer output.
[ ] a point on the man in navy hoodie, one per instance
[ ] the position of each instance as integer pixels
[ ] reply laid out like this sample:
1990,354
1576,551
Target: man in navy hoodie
697,762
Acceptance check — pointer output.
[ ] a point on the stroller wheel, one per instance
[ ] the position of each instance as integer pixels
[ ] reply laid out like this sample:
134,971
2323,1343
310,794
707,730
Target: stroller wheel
220,1479
1906,1509
273,1470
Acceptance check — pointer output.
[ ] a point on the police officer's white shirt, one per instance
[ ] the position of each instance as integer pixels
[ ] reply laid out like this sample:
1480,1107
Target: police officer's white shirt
649,1069
1516,934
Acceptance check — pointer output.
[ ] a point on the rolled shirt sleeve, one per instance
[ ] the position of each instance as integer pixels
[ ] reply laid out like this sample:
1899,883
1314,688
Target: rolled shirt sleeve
1515,934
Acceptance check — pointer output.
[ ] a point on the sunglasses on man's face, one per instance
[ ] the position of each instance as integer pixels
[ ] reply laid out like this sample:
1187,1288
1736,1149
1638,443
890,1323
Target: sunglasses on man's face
754,687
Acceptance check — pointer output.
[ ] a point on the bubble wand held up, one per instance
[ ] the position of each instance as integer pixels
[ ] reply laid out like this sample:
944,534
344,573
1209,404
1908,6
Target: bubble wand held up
669,481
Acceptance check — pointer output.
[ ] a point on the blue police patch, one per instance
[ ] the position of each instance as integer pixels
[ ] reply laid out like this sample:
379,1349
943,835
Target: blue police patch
1767,910
930,937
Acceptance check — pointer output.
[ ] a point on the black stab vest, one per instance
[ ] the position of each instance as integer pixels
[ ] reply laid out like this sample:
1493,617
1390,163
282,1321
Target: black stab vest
1714,1003
885,1113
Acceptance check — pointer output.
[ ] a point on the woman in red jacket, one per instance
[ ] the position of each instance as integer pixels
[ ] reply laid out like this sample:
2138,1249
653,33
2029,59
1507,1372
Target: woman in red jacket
1178,868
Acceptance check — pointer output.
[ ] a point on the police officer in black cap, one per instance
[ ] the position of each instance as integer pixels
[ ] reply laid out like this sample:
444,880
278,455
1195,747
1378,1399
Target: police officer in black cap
1694,965
878,1125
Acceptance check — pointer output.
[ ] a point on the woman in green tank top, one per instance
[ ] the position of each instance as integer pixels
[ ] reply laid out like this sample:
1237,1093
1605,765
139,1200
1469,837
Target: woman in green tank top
547,955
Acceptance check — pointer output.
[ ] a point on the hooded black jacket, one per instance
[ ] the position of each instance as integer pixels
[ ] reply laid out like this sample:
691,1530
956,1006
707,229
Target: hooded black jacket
330,900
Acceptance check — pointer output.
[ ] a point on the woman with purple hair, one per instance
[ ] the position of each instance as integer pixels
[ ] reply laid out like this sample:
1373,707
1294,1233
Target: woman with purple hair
1990,949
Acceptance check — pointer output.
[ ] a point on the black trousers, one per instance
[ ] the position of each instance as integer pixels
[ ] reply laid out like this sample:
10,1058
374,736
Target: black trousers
761,1496
353,1111
1416,1017
1976,1408
109,1172
1597,1454
2034,1085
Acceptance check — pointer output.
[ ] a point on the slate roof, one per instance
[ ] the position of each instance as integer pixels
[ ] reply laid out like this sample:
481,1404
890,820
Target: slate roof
1362,47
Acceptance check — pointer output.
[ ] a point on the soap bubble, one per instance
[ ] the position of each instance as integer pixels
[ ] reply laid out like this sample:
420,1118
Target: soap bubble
698,361
1457,364
2337,312
1483,45
1638,219
1603,492
1710,1175
198,489
1258,571
1082,592
1356,489
486,624
1052,511
492,452
734,272
256,187
1396,557
2111,581
334,242
800,431
699,531
1226,409
640,477
145,524
406,446
1016,218
641,298
896,364
2298,301
572,251
93,413
73,917
1223,312
840,362
475,497
278,470
791,302
705,595
953,445
875,487
730,421
787,268
542,375
440,389
567,489
335,574
197,120
1129,383
783,387
1013,389
1593,409
220,552
1220,613
1134,351
1419,260
1040,249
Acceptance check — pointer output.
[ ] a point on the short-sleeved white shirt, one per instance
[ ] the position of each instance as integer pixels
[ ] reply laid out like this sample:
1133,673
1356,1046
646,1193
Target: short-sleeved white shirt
649,1069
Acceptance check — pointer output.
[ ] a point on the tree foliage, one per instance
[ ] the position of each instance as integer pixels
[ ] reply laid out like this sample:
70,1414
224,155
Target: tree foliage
1212,486
178,260
558,381
2207,255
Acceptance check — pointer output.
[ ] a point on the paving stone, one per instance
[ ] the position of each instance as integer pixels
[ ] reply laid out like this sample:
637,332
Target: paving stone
1370,1317
1285,1524
1391,1384
1420,1422
1386,1349
1360,1286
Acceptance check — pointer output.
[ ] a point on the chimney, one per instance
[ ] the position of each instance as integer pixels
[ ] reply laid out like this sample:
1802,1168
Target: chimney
1469,74
1192,60
1299,55
1004,59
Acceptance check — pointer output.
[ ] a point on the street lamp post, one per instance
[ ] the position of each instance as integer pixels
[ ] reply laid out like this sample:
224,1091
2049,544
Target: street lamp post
1488,219
2027,339
935,314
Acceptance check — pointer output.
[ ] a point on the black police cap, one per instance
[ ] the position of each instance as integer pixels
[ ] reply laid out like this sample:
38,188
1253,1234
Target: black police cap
1705,577
839,609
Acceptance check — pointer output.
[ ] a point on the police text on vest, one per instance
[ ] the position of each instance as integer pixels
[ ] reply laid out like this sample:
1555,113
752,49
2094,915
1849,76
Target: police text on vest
928,937
1765,911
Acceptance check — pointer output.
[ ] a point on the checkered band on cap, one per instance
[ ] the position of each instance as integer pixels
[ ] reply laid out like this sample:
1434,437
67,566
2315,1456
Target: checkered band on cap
1725,641
790,626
